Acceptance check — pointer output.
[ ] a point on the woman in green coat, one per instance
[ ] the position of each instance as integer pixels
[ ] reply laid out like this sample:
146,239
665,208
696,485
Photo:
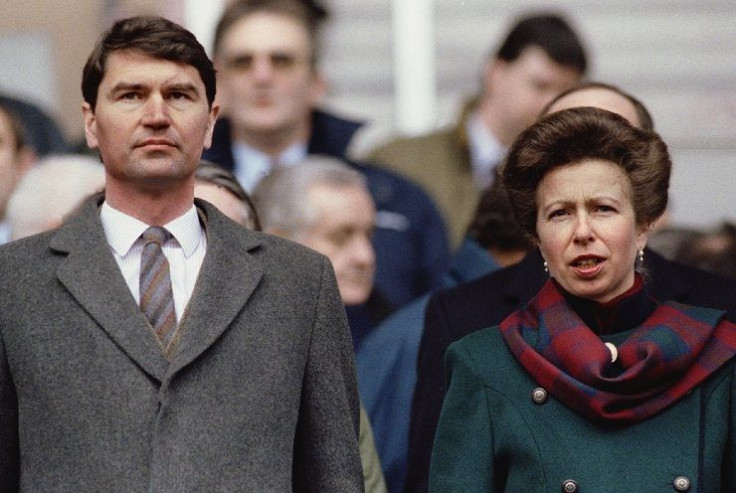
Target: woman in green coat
594,386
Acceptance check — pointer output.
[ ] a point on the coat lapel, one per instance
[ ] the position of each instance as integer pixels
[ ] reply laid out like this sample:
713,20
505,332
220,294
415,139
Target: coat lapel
93,278
227,279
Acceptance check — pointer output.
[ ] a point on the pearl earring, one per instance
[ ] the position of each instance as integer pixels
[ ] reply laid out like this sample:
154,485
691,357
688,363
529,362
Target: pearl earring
641,255
546,269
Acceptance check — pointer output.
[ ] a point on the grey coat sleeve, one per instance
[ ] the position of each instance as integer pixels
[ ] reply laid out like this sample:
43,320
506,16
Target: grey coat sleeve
326,457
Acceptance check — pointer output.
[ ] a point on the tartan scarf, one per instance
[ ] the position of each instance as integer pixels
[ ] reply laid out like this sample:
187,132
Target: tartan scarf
674,350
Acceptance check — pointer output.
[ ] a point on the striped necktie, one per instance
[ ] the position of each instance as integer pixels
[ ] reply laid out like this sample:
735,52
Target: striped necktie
157,297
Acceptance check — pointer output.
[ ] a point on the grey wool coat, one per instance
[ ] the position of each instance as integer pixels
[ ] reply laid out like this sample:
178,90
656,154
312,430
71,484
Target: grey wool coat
260,395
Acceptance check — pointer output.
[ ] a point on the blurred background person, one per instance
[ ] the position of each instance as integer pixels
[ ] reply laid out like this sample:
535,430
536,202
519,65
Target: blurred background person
42,134
713,251
667,241
573,391
220,188
51,190
267,54
328,208
540,57
324,204
15,159
387,368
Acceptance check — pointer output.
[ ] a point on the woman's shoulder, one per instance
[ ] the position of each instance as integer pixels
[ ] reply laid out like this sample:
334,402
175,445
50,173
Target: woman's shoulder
484,350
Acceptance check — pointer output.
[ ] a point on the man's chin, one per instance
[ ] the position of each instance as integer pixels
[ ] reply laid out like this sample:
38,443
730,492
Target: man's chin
358,296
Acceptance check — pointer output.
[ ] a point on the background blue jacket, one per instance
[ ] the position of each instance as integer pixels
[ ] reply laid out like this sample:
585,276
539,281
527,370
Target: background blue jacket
387,366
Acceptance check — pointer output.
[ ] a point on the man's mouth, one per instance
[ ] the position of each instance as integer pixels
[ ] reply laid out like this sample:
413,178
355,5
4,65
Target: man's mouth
157,142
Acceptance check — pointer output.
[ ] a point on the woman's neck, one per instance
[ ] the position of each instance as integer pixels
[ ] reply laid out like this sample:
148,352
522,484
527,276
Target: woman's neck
626,311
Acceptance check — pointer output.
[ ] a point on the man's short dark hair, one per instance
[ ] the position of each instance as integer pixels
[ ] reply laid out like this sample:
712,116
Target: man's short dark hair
153,36
308,13
549,32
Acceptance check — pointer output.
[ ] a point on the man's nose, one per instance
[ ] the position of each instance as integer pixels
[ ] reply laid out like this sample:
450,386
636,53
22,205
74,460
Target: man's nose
363,251
156,112
262,68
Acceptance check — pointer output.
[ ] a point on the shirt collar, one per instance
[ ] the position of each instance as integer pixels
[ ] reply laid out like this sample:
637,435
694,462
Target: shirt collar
4,232
252,164
122,230
291,155
485,150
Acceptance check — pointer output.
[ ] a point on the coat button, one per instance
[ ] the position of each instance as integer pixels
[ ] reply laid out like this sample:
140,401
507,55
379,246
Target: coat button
569,486
682,483
539,395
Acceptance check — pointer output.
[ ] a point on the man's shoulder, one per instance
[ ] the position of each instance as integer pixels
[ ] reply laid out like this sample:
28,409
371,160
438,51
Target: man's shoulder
489,286
487,300
389,181
331,134
269,247
416,148
685,284
26,247
27,260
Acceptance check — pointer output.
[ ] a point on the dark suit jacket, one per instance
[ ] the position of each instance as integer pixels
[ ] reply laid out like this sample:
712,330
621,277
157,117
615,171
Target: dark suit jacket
259,396
454,313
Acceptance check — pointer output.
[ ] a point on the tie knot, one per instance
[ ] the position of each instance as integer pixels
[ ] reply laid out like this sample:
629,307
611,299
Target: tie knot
155,234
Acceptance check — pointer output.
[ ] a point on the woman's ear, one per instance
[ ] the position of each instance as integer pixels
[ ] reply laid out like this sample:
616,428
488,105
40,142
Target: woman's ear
643,233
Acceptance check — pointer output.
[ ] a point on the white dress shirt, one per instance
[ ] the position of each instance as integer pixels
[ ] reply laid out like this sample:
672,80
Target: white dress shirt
252,165
185,251
486,152
4,232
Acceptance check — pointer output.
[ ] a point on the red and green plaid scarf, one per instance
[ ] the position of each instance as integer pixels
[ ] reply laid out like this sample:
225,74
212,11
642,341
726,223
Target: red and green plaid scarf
675,349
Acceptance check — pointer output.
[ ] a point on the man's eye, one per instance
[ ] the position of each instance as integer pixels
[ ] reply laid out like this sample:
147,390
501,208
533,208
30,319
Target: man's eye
241,62
130,95
282,61
179,95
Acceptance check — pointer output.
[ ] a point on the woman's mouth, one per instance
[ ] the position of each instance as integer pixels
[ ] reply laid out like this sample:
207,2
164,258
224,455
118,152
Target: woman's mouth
587,266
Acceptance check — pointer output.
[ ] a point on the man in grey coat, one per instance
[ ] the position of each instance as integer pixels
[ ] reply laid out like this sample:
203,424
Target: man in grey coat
204,357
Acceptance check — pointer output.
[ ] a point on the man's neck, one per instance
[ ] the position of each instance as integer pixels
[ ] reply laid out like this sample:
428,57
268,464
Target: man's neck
274,142
495,123
155,208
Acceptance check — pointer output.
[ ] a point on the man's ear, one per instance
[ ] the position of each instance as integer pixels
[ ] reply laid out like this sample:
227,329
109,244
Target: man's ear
318,88
90,125
211,119
491,72
26,158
